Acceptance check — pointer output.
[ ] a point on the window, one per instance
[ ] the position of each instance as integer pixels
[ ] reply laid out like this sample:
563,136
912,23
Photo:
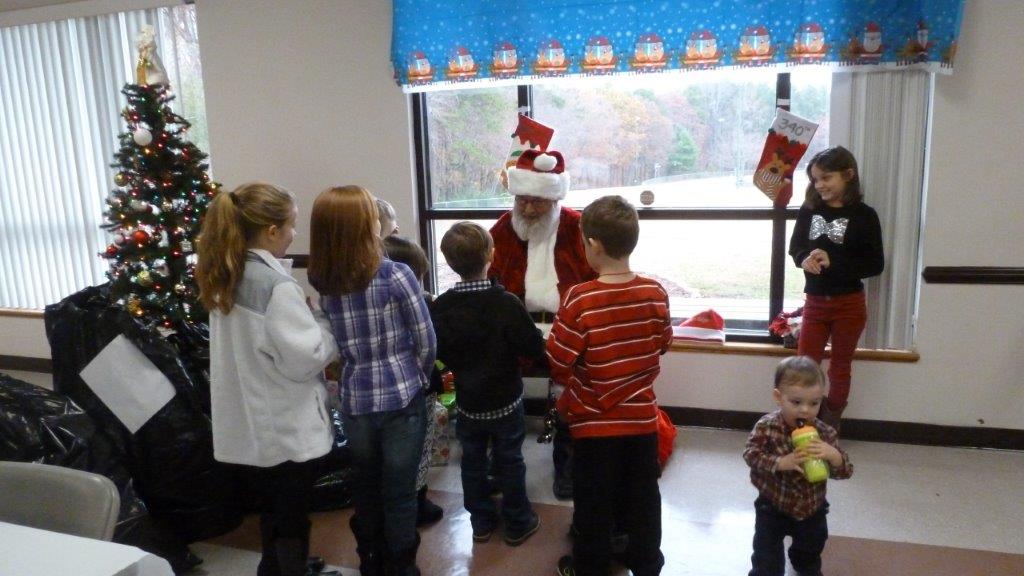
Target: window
693,140
60,106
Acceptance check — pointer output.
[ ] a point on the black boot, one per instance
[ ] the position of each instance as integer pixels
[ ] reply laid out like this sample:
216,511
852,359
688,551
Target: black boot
291,556
426,511
833,418
268,561
404,563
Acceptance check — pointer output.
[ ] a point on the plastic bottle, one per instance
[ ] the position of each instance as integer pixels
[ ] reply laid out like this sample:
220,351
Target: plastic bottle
815,469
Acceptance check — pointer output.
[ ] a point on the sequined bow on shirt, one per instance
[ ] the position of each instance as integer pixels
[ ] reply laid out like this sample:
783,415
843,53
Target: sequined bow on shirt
836,229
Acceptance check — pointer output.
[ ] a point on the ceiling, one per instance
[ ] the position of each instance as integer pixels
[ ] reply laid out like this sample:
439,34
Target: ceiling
6,5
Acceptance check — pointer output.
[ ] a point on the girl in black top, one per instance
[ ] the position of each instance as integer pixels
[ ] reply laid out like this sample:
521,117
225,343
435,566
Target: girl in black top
837,241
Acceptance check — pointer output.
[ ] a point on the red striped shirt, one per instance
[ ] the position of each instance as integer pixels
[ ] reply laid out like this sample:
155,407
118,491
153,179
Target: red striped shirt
605,347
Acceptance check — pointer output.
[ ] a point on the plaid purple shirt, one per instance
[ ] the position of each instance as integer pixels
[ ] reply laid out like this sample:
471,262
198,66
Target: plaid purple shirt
385,339
788,491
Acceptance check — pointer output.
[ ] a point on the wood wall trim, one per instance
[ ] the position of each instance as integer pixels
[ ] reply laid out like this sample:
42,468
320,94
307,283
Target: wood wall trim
26,364
972,275
299,260
853,429
20,313
756,349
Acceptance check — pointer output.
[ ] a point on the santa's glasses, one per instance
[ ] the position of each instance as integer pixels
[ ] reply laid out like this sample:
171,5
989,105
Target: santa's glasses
524,201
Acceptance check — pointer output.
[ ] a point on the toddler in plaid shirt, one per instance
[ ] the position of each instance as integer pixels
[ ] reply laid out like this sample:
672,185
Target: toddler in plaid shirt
787,504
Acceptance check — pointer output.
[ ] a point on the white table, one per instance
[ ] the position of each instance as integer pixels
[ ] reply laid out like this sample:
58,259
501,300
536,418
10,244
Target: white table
28,551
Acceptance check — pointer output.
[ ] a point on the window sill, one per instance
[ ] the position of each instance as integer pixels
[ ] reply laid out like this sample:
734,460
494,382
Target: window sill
754,349
20,313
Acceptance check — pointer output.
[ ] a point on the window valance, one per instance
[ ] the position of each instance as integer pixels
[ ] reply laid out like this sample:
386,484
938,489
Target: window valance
440,44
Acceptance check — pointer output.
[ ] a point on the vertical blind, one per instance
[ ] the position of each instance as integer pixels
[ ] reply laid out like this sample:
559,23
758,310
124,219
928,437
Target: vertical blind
60,106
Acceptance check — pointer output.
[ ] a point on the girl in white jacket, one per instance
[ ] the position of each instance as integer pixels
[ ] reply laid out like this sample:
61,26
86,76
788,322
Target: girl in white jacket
267,356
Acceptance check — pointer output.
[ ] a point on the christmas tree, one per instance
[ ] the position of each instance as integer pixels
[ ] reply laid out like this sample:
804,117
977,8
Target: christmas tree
154,214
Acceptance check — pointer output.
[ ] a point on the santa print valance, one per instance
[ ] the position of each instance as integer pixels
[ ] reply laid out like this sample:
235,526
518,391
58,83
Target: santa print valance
440,43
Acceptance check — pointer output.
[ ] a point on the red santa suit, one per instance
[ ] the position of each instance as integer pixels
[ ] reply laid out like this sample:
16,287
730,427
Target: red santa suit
539,271
513,256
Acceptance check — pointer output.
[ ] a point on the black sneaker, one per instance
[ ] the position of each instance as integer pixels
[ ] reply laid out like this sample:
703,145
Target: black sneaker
482,534
565,566
517,538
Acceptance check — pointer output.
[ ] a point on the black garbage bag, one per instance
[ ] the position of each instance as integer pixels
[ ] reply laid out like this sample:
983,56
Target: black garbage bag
38,425
333,487
170,458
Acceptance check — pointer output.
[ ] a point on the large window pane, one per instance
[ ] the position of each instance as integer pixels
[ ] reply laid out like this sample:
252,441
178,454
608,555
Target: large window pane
470,134
810,90
689,141
693,139
446,279
793,297
724,265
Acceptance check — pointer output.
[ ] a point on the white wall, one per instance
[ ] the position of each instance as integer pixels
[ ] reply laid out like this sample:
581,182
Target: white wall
301,94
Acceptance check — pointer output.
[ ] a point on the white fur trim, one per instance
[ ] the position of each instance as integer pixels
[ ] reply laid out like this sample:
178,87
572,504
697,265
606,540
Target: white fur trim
694,333
522,182
545,162
541,280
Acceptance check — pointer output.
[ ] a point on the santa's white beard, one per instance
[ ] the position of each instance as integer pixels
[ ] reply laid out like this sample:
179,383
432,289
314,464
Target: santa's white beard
538,229
541,279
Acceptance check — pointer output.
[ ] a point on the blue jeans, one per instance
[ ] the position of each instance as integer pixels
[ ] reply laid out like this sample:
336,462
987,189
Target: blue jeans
386,448
506,437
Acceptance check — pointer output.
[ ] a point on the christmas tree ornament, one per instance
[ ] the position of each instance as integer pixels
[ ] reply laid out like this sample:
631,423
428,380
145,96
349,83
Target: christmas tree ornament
166,206
111,250
786,143
160,267
140,237
186,246
180,289
140,206
142,137
121,178
134,306
144,278
149,70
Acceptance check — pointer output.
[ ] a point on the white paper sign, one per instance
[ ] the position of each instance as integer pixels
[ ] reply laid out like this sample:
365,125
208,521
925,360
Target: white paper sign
128,383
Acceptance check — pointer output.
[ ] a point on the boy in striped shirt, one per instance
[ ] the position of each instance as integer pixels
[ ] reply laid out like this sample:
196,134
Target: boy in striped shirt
605,347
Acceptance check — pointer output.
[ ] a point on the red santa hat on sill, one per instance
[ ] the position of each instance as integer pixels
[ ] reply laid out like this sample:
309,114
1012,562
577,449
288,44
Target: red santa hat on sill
539,174
707,326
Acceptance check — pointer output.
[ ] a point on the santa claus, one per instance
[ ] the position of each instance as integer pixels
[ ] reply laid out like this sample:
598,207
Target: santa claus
538,246
538,255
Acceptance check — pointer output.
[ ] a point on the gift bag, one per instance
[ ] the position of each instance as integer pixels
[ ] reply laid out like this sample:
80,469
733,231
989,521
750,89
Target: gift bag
783,148
441,447
666,437
787,326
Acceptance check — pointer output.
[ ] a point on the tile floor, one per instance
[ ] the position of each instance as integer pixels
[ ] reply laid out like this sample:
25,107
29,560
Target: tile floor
908,511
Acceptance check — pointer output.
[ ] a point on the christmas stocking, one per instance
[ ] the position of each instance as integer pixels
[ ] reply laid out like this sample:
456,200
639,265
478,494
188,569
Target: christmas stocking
785,145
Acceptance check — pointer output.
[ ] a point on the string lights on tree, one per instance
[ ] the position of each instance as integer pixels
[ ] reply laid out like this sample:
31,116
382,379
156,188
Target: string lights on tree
163,189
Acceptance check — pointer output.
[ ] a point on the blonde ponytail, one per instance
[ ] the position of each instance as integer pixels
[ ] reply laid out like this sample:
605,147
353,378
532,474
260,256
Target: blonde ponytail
232,223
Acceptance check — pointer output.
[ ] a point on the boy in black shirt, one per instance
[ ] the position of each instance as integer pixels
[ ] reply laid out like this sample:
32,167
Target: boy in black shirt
482,331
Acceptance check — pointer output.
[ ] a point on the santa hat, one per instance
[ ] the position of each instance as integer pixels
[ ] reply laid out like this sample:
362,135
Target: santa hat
707,326
540,174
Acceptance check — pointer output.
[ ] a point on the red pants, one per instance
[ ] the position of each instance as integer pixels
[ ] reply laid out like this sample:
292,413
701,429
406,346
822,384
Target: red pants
843,318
